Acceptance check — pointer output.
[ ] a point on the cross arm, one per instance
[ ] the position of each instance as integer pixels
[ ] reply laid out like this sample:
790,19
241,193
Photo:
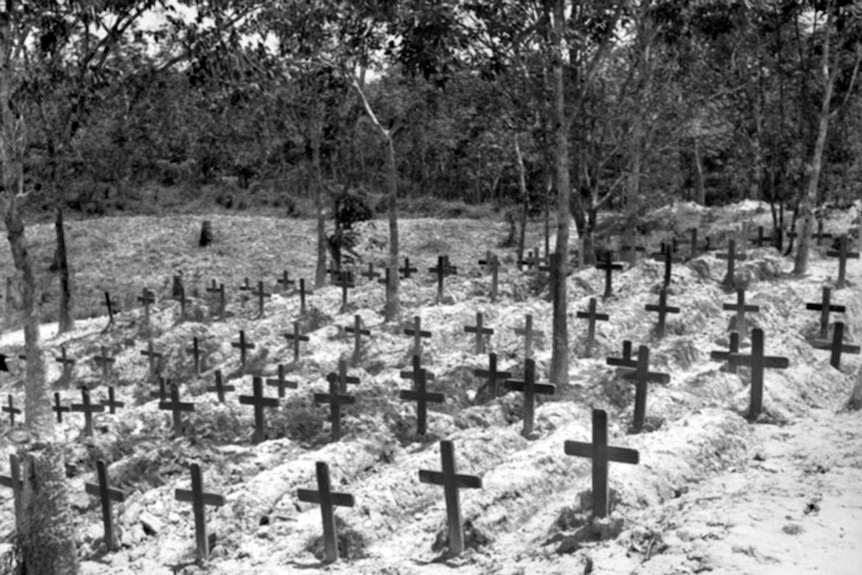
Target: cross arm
187,495
460,481
264,401
336,499
412,395
618,454
114,494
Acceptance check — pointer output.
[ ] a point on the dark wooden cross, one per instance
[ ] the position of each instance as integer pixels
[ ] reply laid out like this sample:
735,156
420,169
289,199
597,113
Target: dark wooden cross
327,499
757,361
111,403
725,355
492,376
837,346
344,280
370,274
642,376
626,360
112,307
824,307
385,281
261,294
420,394
104,361
530,389
666,255
281,383
176,407
609,268
407,270
297,337
819,236
246,286
243,347
303,291
66,363
761,239
220,388
529,335
11,409
343,379
601,453
740,308
417,333
530,261
153,357
694,248
106,495
59,408
731,256
632,251
592,316
441,270
88,409
662,309
843,254
481,331
184,301
451,483
284,281
259,402
492,262
357,331
13,480
222,299
195,351
162,393
334,398
199,498
147,298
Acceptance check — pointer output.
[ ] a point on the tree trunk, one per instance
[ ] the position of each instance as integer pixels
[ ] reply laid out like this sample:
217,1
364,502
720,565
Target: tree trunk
392,303
701,184
317,179
560,352
66,320
633,185
522,188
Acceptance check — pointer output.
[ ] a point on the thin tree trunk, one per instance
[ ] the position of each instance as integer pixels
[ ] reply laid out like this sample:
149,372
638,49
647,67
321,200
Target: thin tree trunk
633,184
317,177
66,320
701,184
522,188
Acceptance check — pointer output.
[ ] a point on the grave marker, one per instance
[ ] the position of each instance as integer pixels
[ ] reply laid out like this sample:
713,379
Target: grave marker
662,309
344,280
451,482
626,360
11,409
335,398
819,236
740,308
731,256
420,394
88,409
530,388
757,361
243,346
199,498
407,270
176,407
493,376
665,254
162,393
284,281
442,270
725,355
152,356
245,286
642,376
609,268
632,251
481,331
259,402
104,361
195,352
261,294
601,454
824,307
147,298
327,499
106,495
531,261
592,316
417,333
59,408
66,364
495,272
385,281
357,332
13,480
529,335
112,308
302,293
111,403
181,297
843,254
220,388
281,383
370,274
837,346
213,289
761,238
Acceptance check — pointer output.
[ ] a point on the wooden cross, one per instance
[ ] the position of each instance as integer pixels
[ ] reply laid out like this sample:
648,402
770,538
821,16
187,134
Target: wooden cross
281,383
303,291
259,402
666,255
843,254
418,334
420,394
819,236
153,356
106,495
495,270
530,388
694,248
105,362
663,309
88,409
358,332
601,453
529,335
297,337
824,307
147,298
243,347
327,499
486,261
13,480
837,346
370,274
199,498
196,354
162,393
740,308
261,294
176,408
58,408
481,331
451,482
632,251
246,286
725,355
642,376
111,403
407,270
112,308
66,363
530,261
758,362
385,281
761,238
222,299
731,256
609,268
181,297
441,270
592,315
492,375
342,377
344,280
11,409
284,281
335,398
220,388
